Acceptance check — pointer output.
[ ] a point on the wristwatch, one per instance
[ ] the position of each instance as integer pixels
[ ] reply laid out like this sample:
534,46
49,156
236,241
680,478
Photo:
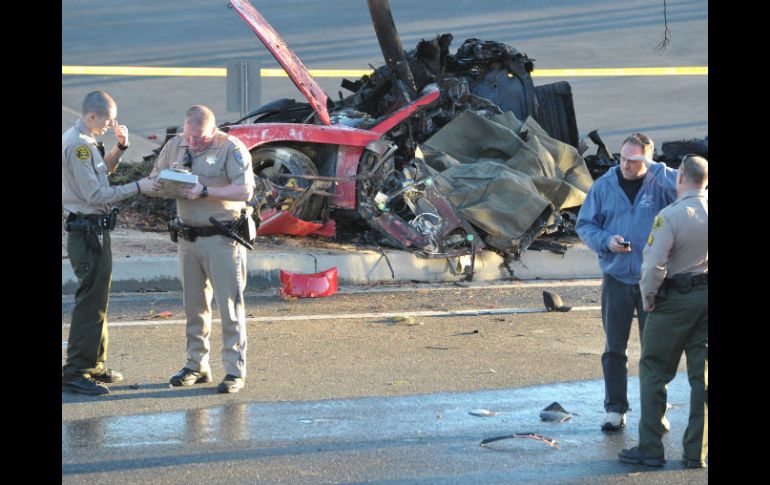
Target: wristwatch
204,193
123,147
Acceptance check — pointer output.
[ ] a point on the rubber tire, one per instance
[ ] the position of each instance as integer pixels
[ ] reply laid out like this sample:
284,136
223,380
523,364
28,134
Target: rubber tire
288,161
556,112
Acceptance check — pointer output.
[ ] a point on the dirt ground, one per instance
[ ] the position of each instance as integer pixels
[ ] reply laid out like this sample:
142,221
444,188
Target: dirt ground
128,240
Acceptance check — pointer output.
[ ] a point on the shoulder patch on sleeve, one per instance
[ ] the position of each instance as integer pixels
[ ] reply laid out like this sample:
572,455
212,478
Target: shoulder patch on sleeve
83,152
657,222
238,156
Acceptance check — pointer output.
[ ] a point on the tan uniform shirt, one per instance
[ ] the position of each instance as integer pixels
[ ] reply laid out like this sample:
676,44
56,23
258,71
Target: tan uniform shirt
226,161
85,188
678,242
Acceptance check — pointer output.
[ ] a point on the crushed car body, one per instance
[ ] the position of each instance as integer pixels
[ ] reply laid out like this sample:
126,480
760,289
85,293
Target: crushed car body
348,163
382,157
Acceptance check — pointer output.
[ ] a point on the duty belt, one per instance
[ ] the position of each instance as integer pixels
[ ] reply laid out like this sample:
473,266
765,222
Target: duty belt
93,227
97,222
191,233
683,282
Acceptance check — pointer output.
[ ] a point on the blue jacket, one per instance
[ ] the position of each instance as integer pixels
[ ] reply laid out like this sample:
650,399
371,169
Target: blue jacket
607,211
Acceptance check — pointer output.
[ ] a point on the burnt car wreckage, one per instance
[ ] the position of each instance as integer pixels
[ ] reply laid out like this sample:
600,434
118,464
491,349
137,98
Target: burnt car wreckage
369,163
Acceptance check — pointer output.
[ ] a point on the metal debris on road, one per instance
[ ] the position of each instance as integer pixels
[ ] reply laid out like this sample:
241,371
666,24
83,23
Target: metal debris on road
555,413
483,413
553,302
548,441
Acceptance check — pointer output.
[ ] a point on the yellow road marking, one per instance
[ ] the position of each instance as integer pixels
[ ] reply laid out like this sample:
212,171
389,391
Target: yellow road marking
354,73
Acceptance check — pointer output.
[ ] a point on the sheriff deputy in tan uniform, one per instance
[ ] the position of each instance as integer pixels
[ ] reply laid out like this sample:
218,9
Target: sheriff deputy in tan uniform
85,195
674,286
210,263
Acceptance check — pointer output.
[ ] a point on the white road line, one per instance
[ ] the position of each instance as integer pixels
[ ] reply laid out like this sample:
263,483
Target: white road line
352,290
359,316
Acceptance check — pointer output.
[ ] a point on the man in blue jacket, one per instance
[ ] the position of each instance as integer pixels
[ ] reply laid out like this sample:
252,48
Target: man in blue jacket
614,222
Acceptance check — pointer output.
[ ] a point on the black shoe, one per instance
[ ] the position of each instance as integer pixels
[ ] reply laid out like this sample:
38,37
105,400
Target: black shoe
688,463
231,384
614,422
637,457
109,376
84,385
188,377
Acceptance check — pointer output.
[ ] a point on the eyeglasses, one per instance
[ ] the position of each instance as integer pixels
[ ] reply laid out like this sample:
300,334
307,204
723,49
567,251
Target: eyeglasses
187,160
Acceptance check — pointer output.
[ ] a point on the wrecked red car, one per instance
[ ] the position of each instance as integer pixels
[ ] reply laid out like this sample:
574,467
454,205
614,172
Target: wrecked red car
344,161
379,166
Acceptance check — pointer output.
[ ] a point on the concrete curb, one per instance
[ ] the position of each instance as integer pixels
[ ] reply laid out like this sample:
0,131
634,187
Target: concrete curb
354,268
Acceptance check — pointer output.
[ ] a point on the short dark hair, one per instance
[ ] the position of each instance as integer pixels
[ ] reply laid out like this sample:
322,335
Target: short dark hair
98,102
695,169
642,141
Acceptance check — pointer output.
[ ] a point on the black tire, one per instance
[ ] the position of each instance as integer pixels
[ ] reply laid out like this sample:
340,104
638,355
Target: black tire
556,111
270,162
674,151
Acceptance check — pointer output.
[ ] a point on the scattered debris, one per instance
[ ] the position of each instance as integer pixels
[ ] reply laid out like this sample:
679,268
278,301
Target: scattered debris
399,162
555,413
548,441
134,386
483,413
398,382
553,302
309,285
405,319
151,314
472,332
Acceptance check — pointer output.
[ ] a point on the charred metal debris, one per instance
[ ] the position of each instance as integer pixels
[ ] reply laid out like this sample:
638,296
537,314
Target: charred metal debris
365,169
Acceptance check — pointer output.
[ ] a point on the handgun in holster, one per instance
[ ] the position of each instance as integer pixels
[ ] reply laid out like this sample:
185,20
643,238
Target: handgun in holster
683,282
112,219
246,227
237,229
171,225
91,234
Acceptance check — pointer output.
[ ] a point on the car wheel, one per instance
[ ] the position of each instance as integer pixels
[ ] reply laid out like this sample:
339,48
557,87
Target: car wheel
277,164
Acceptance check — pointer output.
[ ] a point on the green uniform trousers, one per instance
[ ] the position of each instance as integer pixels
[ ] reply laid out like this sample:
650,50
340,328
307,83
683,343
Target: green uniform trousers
678,324
87,343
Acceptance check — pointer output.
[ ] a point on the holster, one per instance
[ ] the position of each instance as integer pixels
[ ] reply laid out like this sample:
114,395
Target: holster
91,232
683,282
171,226
247,228
93,241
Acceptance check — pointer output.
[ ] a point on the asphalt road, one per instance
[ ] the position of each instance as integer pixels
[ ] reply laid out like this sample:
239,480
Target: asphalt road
383,373
338,34
368,399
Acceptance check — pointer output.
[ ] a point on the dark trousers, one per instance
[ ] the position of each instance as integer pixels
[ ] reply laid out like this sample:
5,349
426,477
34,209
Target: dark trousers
87,343
618,303
678,324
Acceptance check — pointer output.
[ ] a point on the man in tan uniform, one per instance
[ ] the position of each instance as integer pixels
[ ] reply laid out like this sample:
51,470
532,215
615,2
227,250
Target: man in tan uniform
85,195
210,263
674,286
